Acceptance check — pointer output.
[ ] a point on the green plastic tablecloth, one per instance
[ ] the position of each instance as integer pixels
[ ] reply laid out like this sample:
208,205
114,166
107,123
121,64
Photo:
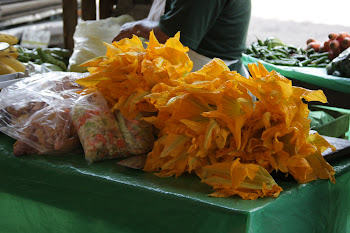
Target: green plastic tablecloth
65,194
312,75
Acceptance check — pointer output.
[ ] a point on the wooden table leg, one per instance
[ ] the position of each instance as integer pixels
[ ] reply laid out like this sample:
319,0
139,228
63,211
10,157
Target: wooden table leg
70,21
106,8
88,9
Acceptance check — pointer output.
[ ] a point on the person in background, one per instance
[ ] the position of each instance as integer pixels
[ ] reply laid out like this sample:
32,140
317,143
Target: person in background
210,28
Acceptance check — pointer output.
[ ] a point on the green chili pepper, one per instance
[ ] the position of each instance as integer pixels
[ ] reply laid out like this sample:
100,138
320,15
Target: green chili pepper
254,49
48,58
300,57
292,48
23,58
311,65
318,55
272,56
320,60
310,51
260,42
305,62
65,53
322,65
285,62
281,50
248,51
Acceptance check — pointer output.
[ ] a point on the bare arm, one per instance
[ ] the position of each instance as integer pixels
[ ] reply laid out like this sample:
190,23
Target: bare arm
141,28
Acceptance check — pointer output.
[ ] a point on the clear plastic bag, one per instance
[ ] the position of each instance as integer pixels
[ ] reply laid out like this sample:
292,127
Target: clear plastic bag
88,38
138,134
36,112
98,129
105,135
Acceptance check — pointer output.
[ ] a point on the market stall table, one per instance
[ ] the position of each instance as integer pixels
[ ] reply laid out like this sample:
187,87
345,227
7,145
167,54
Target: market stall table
63,193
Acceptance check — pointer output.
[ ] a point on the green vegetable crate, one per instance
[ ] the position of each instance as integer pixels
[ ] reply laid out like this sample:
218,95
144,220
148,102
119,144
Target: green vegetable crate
339,127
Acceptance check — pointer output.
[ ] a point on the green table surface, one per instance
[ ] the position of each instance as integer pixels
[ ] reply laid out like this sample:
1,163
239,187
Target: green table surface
63,193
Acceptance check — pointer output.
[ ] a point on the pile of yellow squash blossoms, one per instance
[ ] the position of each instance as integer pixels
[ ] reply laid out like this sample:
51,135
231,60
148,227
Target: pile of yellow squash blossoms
208,123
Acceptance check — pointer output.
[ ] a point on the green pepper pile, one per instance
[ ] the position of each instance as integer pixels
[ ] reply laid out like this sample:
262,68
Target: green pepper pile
273,51
56,59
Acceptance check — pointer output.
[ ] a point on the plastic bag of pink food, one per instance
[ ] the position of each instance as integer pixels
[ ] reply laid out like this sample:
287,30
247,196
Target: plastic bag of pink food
138,134
105,135
98,129
36,112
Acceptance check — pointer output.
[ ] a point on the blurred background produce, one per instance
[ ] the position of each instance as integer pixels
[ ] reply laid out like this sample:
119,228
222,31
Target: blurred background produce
274,51
340,66
9,54
336,44
56,59
315,54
